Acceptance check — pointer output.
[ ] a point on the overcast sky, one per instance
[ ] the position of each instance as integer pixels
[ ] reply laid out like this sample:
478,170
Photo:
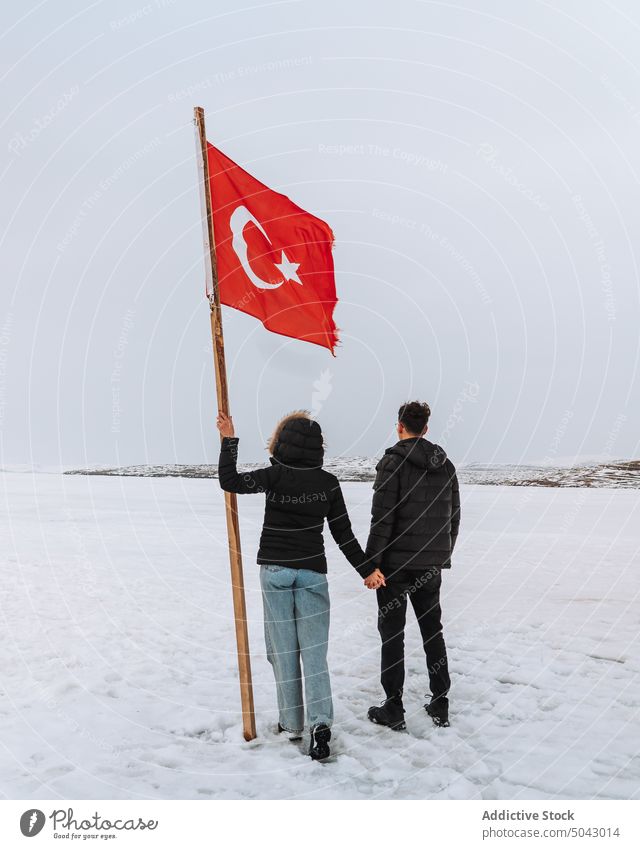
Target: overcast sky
479,165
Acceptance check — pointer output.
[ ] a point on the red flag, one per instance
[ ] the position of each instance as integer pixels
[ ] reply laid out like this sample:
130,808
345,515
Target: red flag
274,259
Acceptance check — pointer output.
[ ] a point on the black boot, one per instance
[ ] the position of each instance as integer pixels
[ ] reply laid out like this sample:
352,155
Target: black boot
319,745
390,713
439,712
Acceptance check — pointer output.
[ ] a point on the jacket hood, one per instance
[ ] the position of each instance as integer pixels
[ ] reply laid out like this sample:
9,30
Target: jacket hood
419,452
297,441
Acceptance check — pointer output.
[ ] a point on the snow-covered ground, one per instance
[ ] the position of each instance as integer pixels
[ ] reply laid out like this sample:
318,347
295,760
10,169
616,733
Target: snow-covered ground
118,666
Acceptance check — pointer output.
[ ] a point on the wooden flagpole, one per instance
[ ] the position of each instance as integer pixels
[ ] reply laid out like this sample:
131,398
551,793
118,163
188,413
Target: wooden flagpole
230,498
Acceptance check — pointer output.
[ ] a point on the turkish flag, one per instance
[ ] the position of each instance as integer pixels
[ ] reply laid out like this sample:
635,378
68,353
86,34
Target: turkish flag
274,259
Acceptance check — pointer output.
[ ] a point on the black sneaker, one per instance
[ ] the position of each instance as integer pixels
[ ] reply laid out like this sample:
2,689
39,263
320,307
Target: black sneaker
439,714
292,736
319,744
390,713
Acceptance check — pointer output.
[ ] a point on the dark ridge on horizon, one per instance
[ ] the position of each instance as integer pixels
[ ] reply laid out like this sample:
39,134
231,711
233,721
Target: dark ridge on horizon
621,474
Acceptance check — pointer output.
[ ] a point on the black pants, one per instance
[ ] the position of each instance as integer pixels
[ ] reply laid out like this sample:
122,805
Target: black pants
423,590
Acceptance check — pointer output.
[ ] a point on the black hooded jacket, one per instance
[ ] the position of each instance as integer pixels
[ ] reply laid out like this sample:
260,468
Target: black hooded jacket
415,514
299,496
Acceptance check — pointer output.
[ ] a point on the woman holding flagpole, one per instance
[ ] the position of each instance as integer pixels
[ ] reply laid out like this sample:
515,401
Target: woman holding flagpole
299,496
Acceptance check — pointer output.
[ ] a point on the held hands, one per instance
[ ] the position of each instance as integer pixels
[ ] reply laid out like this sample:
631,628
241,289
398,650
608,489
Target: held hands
375,580
224,423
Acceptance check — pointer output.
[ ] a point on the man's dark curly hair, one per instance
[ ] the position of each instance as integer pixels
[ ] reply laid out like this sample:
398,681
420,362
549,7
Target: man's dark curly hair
414,415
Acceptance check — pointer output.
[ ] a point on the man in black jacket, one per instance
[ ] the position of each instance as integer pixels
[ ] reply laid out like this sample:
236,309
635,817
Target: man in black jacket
414,526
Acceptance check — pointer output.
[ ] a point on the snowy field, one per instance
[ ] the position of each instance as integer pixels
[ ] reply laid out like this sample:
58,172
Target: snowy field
118,666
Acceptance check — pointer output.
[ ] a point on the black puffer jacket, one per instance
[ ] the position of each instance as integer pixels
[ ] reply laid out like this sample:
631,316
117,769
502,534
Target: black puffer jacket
416,508
300,495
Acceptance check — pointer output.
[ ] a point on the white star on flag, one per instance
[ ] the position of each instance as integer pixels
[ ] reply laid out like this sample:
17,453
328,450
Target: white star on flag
288,269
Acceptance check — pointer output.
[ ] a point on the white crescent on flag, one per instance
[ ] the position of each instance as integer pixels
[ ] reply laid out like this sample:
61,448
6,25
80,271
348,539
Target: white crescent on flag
239,219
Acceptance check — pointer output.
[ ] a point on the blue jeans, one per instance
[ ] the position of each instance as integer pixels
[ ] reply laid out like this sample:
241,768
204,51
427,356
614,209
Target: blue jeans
296,627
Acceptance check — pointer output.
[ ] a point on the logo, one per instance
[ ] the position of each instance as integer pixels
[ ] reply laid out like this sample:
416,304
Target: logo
32,822
288,269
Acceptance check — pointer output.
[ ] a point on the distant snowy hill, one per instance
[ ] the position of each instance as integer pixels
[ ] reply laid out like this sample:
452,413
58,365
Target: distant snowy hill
616,474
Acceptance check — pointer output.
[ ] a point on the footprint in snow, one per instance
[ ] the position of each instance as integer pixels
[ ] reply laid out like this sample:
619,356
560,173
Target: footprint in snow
112,677
57,772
